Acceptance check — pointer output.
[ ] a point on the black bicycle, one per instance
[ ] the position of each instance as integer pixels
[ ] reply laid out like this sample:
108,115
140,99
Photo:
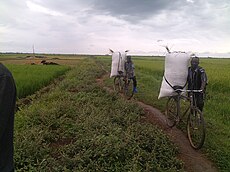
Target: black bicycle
123,84
195,120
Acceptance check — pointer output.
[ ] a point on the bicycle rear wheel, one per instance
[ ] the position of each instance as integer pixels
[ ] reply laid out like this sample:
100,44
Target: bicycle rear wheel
196,128
117,84
171,112
128,89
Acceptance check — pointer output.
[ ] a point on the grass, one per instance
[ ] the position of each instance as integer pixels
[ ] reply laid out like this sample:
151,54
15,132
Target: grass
149,72
30,78
217,111
81,127
66,129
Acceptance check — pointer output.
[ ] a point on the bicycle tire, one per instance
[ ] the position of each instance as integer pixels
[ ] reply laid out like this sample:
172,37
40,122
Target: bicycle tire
171,112
117,85
196,128
128,89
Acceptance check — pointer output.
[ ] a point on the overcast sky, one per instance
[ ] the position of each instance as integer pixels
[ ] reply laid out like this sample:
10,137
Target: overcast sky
94,26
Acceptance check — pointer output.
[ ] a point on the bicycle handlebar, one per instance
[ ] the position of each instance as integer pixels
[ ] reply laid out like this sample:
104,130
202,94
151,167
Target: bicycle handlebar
194,91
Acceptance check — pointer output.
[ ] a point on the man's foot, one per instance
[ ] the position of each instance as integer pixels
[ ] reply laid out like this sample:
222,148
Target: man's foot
135,90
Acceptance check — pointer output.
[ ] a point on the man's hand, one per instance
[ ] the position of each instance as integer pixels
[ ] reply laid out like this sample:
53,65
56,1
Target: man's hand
202,89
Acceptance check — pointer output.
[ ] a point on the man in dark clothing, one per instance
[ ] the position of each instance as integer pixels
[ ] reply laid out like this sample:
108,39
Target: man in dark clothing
129,68
197,80
7,109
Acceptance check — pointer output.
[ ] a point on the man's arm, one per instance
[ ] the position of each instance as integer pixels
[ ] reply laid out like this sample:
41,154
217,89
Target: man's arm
204,79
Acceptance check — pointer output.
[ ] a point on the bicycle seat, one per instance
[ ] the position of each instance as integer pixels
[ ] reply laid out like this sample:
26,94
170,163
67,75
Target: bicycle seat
177,88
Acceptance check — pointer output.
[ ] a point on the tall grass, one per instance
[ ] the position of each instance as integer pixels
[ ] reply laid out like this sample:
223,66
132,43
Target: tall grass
217,111
149,74
30,78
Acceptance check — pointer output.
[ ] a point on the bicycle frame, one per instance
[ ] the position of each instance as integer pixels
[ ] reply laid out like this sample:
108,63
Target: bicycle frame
123,82
195,121
190,98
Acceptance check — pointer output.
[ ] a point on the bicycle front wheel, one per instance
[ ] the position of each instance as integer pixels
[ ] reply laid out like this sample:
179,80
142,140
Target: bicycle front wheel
128,89
196,128
171,112
117,84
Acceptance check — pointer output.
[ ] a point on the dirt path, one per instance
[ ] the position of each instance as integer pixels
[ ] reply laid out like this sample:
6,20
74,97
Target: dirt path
194,161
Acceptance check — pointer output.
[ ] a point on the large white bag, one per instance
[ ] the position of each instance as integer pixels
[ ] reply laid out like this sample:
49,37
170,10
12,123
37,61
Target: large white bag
118,63
176,71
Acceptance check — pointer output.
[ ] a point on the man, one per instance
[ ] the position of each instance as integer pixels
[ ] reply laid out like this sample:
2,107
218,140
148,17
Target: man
129,68
7,108
197,80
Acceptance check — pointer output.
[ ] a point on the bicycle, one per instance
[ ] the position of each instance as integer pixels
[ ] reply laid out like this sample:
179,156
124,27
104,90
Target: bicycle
123,84
195,120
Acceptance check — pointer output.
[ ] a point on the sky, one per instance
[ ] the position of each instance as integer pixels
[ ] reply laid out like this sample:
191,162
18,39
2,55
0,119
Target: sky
144,27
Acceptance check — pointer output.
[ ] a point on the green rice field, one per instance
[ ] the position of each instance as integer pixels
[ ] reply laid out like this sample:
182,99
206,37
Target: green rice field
30,78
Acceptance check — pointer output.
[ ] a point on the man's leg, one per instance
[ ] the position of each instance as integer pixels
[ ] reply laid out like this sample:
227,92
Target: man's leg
134,82
200,101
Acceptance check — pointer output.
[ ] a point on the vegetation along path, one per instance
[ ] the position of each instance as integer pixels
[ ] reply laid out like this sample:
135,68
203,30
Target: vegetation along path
78,126
194,161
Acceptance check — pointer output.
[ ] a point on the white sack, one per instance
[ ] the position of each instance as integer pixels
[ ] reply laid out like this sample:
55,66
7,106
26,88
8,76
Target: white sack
176,71
118,63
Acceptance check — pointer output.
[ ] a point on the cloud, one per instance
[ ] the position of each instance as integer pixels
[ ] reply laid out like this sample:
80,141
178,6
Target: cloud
93,26
190,1
134,10
38,8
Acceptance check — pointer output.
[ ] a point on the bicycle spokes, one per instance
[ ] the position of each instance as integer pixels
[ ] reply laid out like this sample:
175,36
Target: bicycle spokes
128,89
171,112
123,85
117,84
196,128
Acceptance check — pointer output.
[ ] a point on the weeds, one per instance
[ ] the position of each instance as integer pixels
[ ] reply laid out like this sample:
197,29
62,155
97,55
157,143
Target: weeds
80,127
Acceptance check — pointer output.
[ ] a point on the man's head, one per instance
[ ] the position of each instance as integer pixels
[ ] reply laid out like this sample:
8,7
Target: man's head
194,62
128,58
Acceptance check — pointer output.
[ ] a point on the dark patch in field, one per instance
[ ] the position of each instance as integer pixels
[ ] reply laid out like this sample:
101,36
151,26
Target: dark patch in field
44,62
73,90
61,142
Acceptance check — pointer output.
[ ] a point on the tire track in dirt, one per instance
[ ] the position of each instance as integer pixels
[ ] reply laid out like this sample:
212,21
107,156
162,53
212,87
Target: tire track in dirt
194,161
